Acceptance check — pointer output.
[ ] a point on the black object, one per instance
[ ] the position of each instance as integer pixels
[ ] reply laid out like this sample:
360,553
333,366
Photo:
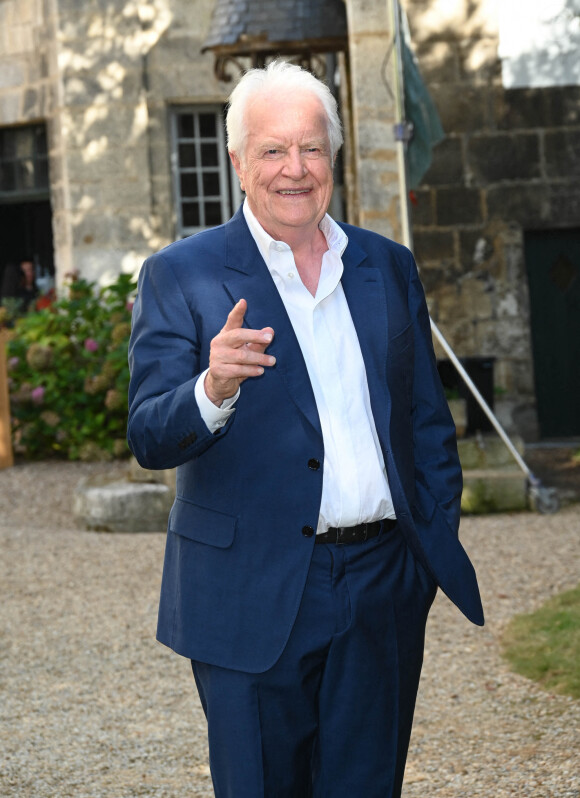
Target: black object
480,370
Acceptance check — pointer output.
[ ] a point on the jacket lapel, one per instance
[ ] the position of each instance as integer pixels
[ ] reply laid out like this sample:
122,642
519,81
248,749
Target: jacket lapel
248,278
364,289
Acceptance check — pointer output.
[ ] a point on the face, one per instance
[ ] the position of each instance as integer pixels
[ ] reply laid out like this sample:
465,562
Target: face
28,268
286,167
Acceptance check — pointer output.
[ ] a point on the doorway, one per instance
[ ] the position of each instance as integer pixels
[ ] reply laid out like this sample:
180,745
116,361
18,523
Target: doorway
553,268
26,231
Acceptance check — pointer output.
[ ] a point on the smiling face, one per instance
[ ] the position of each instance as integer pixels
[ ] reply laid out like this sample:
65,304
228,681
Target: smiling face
286,166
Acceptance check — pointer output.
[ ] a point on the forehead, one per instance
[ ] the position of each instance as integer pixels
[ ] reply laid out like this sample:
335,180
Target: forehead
300,115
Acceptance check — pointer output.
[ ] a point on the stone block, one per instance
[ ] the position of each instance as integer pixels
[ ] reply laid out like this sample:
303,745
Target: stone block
487,452
562,153
438,61
498,157
564,202
562,105
107,505
433,245
12,72
458,205
144,475
494,491
367,16
527,204
423,208
463,108
378,184
447,165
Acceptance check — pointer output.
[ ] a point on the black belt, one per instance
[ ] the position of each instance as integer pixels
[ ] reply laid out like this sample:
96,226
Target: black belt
356,534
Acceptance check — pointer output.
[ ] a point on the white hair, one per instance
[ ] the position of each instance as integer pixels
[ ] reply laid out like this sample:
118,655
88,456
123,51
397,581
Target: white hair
281,78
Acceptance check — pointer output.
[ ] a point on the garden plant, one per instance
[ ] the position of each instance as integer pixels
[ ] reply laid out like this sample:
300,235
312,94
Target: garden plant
68,374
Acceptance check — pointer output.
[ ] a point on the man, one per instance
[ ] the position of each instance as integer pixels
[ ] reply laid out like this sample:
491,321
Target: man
284,363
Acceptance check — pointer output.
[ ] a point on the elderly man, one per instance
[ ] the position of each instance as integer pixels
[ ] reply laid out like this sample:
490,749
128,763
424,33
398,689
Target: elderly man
284,363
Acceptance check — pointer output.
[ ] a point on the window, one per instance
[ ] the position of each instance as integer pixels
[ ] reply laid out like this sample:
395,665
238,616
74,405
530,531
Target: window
23,161
206,186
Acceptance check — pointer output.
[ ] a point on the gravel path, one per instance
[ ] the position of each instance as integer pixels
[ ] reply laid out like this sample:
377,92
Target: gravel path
92,706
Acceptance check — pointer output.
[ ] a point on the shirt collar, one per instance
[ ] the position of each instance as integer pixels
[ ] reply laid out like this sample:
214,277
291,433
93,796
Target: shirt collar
335,236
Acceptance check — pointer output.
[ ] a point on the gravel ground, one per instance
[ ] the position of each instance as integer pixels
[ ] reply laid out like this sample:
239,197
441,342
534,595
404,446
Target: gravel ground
92,706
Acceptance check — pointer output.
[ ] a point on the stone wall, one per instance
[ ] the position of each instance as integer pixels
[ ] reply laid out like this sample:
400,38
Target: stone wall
26,35
119,67
102,76
510,162
372,167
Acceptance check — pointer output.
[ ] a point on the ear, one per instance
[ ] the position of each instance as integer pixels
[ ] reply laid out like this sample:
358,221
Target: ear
237,164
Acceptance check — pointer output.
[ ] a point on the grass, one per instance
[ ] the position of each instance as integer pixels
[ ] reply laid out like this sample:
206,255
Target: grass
545,645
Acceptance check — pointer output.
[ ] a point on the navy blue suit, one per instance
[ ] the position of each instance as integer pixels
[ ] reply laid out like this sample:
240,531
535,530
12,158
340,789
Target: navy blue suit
239,545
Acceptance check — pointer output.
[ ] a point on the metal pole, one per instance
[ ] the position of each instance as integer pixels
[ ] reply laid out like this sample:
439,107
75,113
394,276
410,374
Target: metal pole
400,127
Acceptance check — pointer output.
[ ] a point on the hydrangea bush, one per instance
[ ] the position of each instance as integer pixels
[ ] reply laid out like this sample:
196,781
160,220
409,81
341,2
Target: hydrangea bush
68,374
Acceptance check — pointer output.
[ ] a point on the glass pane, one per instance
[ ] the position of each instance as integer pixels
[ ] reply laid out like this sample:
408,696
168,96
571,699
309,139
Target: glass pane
25,174
187,155
207,125
25,143
188,182
7,144
211,184
40,135
209,155
213,213
190,214
185,126
41,176
7,177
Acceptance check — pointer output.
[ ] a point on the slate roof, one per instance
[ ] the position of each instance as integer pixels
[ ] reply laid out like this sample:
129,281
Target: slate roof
242,26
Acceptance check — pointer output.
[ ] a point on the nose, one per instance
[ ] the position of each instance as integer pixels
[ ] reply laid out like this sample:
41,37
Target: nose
294,165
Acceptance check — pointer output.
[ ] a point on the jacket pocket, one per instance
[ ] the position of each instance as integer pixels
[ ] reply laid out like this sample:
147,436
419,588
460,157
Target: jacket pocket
202,524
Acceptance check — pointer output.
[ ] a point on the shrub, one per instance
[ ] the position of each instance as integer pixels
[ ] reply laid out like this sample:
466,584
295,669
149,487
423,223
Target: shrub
68,374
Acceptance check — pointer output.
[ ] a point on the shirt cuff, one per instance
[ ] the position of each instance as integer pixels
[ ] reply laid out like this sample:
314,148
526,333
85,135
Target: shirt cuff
214,417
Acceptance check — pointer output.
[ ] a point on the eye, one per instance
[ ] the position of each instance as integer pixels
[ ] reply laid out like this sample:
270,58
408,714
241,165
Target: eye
312,152
272,152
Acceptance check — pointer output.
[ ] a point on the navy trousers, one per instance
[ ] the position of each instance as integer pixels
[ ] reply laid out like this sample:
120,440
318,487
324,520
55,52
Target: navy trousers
332,718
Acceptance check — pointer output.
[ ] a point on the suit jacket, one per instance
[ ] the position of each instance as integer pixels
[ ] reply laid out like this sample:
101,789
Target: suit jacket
238,550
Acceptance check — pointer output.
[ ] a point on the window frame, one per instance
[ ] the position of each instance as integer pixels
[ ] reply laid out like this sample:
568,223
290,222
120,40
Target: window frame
230,195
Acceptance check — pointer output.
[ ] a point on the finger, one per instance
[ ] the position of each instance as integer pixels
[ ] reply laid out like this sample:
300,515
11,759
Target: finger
244,337
236,316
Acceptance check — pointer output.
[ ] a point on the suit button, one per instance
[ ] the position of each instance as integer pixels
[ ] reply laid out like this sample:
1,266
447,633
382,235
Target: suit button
314,464
307,531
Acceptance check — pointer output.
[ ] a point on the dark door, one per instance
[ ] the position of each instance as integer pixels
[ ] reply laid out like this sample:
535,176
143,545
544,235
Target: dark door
26,234
553,267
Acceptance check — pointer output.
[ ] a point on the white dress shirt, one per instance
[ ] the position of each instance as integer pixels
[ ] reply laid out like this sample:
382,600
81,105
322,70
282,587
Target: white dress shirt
355,487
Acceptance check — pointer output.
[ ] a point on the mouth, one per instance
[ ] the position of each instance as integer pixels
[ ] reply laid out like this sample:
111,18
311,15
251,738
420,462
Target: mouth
292,192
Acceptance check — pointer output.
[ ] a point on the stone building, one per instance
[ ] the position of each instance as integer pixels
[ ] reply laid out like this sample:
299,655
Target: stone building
112,145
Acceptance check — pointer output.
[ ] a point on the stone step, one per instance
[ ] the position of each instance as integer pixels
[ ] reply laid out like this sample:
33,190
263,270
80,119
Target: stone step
487,451
494,490
113,505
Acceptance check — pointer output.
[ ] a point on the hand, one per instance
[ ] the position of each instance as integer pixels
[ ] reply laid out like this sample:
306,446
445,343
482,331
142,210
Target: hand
236,353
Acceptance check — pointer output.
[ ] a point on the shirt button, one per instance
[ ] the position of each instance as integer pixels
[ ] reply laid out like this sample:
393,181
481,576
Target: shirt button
314,464
291,275
307,531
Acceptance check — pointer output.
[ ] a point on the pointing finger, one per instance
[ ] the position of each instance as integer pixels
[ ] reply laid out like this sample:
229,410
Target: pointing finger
236,316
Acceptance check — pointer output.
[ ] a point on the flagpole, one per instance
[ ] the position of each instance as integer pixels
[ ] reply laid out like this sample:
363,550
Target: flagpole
401,129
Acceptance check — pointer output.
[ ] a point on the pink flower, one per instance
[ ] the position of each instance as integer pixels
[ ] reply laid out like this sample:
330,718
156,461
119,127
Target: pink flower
37,395
129,306
13,362
91,345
